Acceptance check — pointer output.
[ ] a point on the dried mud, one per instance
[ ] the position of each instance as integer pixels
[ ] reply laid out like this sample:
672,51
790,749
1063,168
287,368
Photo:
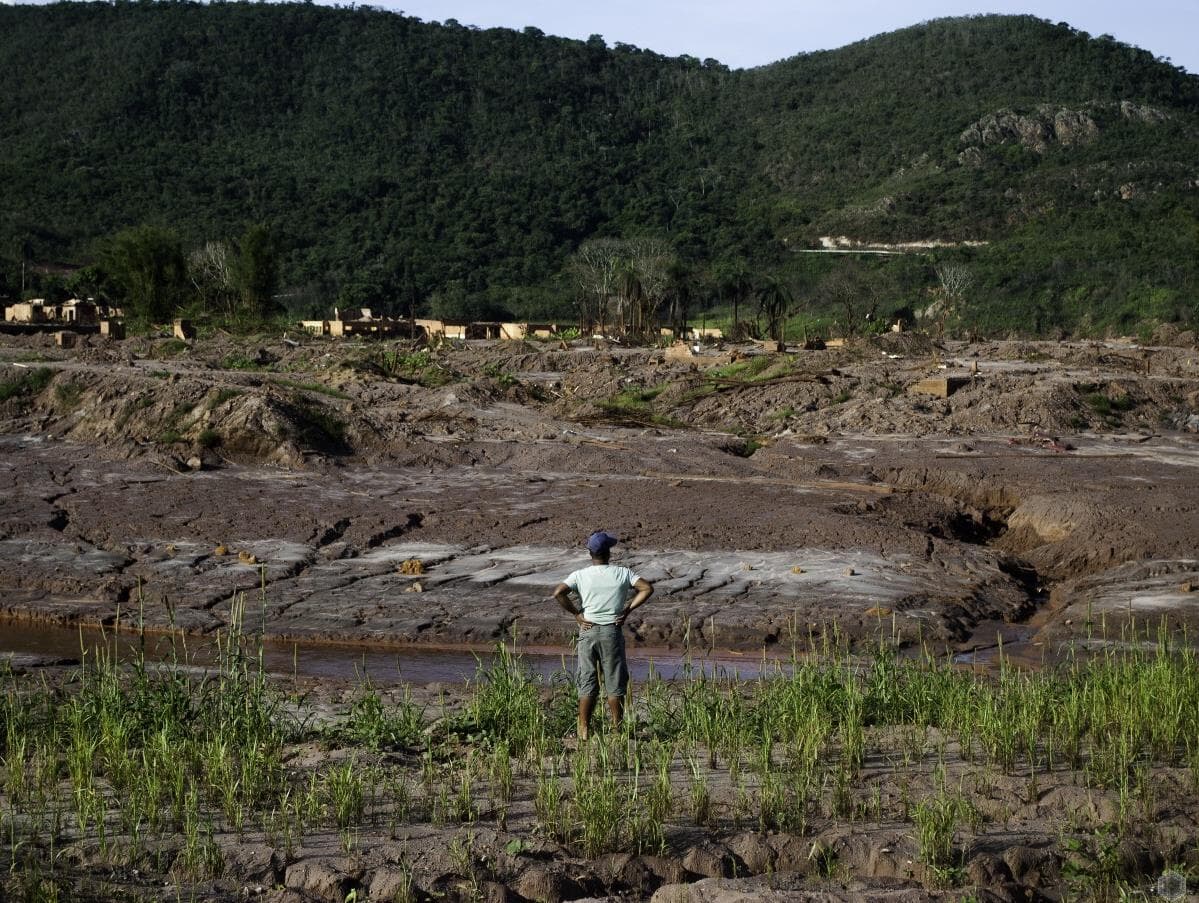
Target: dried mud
807,490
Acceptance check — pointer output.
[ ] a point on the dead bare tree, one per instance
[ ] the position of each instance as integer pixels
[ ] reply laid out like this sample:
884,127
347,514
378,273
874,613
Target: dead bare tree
210,269
652,260
636,272
596,266
955,280
857,296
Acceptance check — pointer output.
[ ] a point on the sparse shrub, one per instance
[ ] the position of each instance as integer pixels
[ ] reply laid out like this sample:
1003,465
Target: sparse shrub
1107,405
222,396
238,361
936,820
373,723
635,405
68,395
500,375
413,366
172,348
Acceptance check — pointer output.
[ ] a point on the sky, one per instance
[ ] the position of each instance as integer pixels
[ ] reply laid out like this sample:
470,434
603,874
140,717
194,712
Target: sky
742,33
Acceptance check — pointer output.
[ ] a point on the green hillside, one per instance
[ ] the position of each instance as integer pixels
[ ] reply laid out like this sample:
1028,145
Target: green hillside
395,161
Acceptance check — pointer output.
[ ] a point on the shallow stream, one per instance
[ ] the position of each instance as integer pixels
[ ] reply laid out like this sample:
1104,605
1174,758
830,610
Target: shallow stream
52,643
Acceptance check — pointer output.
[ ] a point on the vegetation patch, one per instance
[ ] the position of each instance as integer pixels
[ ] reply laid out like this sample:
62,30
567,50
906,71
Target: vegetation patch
68,395
155,764
172,426
635,406
1108,405
26,384
171,348
756,367
237,361
744,447
420,367
497,372
222,396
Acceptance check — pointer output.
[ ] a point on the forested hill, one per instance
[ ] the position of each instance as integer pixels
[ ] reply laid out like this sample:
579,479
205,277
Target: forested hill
397,159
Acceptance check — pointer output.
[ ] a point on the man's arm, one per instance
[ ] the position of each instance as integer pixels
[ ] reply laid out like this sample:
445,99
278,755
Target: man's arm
562,595
645,589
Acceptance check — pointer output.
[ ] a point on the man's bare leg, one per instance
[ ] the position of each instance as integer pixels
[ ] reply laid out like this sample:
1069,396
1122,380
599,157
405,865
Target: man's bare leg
616,709
586,707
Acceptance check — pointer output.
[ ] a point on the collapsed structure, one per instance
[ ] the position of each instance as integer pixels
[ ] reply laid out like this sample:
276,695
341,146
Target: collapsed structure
367,325
75,311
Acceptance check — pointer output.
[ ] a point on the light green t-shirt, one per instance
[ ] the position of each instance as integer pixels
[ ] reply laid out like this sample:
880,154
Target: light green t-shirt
604,590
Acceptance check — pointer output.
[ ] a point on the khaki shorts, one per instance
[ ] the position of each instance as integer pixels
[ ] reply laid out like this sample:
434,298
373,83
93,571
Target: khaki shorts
601,648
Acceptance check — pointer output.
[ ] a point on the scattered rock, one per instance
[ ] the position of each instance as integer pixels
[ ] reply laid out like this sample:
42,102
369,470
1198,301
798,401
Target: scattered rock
544,882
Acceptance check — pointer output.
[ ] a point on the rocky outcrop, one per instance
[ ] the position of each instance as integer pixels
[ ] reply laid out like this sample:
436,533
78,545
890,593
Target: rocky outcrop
1046,126
1036,131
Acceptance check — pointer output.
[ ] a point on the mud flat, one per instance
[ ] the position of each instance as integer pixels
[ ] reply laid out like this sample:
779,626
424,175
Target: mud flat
919,539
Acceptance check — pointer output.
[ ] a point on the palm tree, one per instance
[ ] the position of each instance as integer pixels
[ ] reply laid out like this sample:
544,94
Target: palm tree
774,300
735,284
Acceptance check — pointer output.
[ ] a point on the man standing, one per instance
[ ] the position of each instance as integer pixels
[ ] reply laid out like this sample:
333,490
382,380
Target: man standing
604,592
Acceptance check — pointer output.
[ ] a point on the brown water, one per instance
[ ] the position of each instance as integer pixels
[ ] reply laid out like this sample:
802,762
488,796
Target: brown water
417,666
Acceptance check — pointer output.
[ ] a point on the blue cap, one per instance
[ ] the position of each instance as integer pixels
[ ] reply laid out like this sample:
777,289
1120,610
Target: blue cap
600,542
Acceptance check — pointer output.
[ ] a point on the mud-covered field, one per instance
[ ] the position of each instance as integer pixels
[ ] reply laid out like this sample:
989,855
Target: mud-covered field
394,495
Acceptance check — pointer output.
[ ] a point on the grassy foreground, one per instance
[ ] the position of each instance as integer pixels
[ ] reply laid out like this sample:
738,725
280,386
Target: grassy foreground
150,769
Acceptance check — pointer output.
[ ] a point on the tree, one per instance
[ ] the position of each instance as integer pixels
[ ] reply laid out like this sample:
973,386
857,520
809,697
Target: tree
147,267
211,275
734,284
256,273
680,294
648,261
774,301
857,295
634,271
955,280
594,267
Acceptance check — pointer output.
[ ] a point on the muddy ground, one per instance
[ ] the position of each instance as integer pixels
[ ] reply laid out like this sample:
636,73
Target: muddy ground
767,498
1052,500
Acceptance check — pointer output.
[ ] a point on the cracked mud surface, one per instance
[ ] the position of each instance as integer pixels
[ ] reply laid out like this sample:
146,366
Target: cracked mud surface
490,483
